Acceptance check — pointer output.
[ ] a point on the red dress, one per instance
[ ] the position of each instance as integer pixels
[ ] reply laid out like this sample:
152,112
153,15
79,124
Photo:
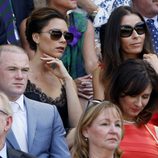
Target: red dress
138,142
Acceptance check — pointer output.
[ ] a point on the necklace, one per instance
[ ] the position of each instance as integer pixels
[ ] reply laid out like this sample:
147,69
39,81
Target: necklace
128,122
151,133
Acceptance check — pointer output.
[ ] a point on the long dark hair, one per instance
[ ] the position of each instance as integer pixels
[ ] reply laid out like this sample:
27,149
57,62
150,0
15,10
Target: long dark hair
112,55
131,79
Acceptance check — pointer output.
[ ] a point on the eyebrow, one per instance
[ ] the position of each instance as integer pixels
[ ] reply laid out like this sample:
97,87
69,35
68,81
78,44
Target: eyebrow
3,112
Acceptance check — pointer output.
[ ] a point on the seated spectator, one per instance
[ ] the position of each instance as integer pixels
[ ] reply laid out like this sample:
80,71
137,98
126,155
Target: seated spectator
5,125
149,10
99,132
49,81
134,89
37,127
79,56
101,10
125,36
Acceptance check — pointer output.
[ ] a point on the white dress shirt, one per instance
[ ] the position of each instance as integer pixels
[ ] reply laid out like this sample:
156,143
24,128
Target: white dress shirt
19,126
3,152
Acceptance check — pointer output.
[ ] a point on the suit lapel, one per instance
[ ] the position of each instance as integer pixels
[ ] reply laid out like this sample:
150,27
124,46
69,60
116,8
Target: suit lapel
11,153
31,121
11,140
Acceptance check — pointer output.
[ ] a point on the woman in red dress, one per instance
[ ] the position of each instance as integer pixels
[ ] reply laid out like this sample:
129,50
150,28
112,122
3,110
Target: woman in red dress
134,88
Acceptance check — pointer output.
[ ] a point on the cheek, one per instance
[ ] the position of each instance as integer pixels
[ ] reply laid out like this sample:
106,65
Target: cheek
124,103
145,102
124,43
97,132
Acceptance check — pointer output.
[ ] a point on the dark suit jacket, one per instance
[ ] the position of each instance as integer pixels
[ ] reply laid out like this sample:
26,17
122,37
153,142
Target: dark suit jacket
12,153
46,134
22,9
3,34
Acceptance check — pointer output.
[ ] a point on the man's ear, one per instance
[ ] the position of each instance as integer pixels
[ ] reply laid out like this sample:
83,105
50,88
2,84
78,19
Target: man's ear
35,37
9,120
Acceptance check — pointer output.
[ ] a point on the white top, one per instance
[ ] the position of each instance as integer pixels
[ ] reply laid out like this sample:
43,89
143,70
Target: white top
3,152
105,9
19,126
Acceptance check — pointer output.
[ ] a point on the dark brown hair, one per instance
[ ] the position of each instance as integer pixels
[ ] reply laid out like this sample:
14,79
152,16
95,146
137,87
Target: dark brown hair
132,78
38,20
110,40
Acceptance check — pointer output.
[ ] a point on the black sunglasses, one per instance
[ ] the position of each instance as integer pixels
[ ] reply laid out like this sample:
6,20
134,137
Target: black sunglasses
127,30
56,34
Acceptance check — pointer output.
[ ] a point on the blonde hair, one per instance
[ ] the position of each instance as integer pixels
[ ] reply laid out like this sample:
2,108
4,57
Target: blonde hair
5,107
12,49
80,148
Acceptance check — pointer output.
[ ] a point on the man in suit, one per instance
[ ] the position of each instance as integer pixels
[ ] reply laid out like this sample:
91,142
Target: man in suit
3,33
37,127
149,9
5,125
22,9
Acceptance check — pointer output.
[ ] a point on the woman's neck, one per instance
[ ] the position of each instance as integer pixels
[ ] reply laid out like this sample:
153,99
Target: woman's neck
101,153
128,120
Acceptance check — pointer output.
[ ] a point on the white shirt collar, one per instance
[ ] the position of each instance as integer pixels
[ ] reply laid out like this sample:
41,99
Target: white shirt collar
20,102
3,152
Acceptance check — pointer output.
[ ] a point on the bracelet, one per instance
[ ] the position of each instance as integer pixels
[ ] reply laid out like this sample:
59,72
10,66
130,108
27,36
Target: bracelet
93,14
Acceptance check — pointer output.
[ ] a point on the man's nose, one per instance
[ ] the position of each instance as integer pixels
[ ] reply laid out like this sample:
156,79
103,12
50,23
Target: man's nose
19,74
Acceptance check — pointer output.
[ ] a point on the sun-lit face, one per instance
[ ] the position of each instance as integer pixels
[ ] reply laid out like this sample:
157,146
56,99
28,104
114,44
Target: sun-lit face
133,105
133,45
47,45
14,69
105,132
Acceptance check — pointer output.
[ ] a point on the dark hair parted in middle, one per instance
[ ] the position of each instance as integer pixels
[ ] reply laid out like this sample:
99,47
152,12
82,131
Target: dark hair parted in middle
131,79
38,19
112,52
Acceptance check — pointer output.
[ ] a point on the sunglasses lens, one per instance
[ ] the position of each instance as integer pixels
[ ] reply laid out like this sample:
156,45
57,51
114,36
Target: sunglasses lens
68,36
55,34
140,28
126,31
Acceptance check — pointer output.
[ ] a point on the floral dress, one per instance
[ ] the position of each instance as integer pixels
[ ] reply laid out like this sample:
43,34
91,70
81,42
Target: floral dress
105,9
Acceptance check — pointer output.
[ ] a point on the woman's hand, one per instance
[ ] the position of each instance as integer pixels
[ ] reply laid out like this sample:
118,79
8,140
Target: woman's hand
84,86
56,66
152,59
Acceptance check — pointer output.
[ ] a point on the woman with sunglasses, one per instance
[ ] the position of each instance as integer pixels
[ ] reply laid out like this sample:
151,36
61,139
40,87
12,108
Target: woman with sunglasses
134,88
125,36
79,58
48,35
99,132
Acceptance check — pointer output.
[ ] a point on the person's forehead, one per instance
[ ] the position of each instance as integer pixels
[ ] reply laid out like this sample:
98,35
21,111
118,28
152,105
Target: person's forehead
14,59
13,53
